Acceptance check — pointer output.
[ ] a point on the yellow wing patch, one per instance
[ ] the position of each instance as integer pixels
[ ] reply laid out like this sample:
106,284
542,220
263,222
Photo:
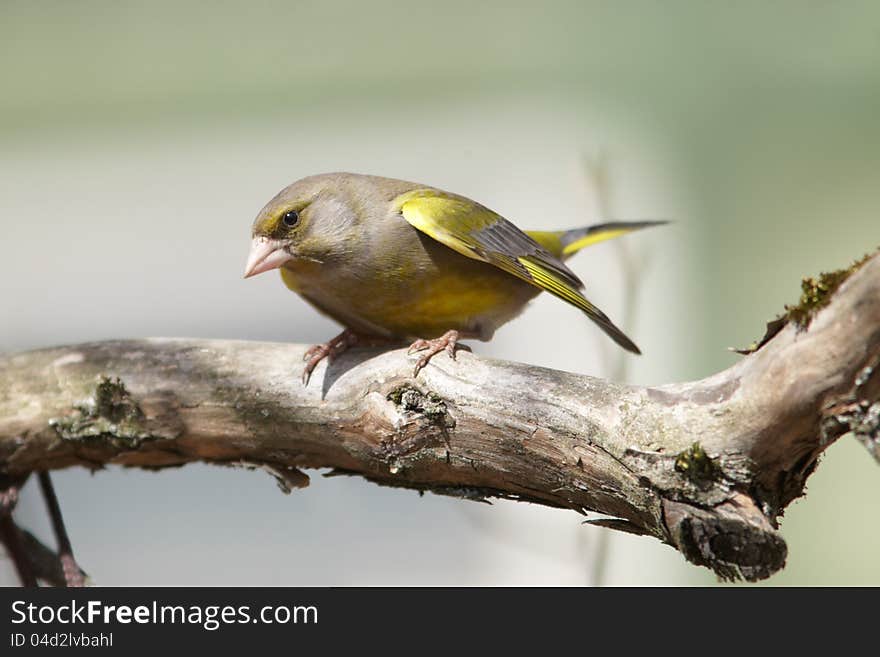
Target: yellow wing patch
422,210
476,232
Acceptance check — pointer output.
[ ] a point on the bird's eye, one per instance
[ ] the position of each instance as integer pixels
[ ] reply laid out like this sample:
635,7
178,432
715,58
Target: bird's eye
290,218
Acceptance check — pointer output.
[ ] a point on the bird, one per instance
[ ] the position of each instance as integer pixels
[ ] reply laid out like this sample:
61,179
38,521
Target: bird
395,261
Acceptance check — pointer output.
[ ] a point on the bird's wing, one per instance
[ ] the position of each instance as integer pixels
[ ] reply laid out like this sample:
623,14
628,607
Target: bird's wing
477,232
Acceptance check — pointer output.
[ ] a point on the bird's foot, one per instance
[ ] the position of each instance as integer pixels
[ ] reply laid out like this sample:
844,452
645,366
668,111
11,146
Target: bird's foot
329,350
447,342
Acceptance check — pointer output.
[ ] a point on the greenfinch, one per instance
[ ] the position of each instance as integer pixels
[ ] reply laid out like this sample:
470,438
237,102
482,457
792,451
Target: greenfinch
393,260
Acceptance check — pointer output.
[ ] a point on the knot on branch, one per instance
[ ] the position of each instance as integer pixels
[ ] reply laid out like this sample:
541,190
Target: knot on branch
733,539
426,404
422,421
112,415
692,476
698,467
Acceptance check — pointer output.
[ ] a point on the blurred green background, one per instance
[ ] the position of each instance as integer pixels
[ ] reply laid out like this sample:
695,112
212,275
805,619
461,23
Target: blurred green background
138,140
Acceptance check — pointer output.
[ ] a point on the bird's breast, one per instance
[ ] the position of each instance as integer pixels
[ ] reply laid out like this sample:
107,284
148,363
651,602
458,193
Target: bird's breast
422,290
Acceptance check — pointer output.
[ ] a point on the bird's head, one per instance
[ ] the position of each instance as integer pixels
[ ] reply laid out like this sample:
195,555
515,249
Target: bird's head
310,220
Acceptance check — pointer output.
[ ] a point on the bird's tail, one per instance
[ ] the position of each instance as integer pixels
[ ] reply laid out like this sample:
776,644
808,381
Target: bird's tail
565,243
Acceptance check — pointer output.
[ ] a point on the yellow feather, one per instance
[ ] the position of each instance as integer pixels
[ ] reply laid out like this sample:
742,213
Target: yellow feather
553,285
422,208
595,238
549,239
290,280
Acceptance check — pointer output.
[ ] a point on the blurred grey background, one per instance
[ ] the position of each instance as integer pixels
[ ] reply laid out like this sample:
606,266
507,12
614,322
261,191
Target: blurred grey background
138,141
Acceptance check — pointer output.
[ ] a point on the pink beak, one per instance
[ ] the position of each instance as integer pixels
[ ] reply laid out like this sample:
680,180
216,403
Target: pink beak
265,254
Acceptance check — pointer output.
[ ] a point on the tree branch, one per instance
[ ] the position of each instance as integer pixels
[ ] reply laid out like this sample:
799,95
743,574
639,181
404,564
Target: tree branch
706,466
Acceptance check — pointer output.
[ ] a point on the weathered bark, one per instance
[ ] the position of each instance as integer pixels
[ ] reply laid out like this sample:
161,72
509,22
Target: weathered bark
706,466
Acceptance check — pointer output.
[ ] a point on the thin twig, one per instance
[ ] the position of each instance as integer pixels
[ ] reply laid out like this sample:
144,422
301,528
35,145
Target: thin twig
11,536
72,573
12,541
45,561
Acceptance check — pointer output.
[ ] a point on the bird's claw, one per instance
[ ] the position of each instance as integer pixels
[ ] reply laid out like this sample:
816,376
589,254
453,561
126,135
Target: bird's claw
329,350
448,342
315,355
419,345
311,351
